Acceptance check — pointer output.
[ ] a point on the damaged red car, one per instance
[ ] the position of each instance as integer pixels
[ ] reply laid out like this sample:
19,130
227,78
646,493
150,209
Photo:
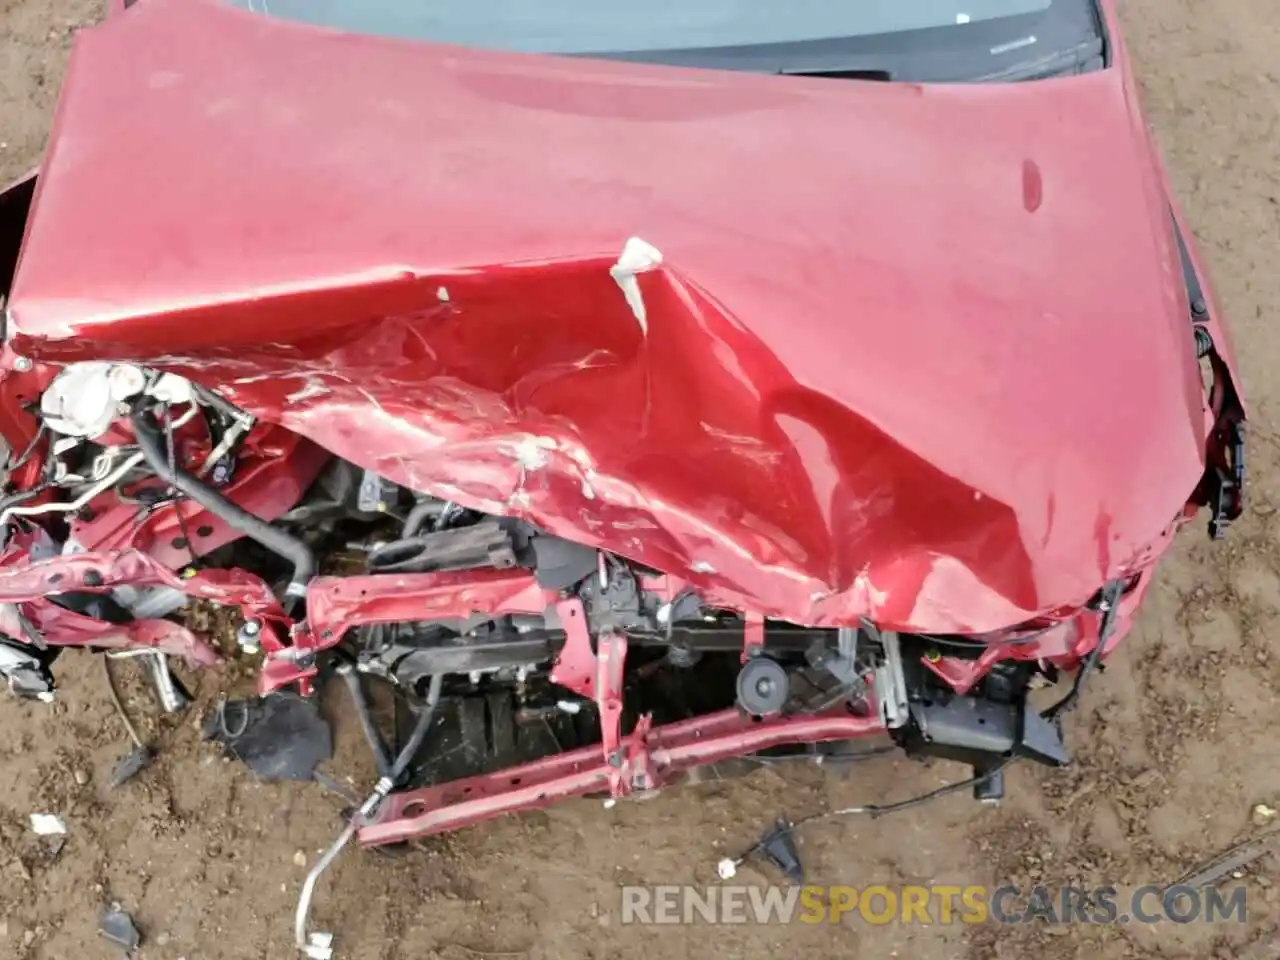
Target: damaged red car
618,391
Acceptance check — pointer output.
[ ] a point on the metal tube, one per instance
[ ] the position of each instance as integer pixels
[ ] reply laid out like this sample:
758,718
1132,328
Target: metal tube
234,432
319,945
171,701
105,483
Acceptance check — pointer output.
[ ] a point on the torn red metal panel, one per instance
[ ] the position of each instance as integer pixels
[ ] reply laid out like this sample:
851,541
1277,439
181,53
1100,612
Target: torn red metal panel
335,602
23,579
665,750
66,628
932,403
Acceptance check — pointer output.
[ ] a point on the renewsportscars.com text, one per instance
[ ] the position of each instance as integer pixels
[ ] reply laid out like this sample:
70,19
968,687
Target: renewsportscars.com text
930,905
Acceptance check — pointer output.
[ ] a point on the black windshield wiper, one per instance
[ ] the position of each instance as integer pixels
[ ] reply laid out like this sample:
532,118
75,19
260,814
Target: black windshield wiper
841,73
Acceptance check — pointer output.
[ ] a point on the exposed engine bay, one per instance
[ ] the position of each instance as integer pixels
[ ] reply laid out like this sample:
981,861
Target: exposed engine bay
148,491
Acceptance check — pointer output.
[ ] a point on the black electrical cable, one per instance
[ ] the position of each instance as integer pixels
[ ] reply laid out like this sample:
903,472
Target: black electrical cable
826,759
967,643
1107,605
381,758
875,811
177,506
151,446
419,734
879,810
29,449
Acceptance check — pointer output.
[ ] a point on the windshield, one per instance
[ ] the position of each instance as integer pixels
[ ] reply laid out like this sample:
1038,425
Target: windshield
917,41
605,26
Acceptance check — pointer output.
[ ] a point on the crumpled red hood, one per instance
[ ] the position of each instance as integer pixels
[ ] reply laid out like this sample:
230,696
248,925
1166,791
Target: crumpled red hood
914,353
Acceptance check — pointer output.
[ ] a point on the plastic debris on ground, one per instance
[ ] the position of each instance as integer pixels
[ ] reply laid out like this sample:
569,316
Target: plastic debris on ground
279,737
779,847
130,765
118,927
47,825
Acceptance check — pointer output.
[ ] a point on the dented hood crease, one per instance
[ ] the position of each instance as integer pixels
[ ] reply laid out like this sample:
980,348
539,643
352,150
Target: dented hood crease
834,349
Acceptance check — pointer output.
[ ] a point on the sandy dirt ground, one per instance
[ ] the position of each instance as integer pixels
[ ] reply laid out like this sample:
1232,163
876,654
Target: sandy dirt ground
1174,742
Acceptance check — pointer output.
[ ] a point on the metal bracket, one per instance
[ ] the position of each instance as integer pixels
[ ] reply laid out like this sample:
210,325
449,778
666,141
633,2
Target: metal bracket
608,696
891,683
598,674
1226,487
752,636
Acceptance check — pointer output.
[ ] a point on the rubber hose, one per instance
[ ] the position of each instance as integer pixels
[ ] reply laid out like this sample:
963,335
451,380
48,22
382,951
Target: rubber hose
419,515
399,556
420,729
151,446
376,744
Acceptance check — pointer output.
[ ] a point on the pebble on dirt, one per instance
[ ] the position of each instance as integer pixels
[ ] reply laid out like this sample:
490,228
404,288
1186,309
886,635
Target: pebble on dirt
1263,815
